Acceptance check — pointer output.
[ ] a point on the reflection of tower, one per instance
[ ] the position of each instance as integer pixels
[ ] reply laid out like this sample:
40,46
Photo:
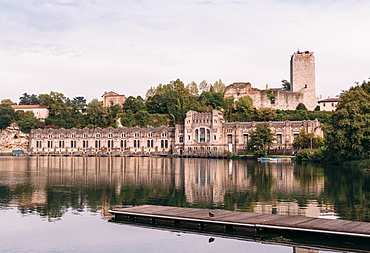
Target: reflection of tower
302,77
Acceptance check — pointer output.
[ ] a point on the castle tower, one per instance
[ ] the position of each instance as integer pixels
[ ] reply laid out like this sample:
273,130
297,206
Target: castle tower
302,77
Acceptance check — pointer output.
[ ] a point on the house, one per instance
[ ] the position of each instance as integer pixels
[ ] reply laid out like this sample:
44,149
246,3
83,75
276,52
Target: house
39,111
329,104
112,98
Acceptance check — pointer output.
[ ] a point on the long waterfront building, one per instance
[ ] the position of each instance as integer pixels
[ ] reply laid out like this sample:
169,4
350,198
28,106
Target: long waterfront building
201,133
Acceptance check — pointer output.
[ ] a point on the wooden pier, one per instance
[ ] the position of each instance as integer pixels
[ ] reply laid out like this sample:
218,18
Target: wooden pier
240,221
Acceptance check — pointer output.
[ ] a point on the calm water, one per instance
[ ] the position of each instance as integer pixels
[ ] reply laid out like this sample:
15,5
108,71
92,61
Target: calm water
59,204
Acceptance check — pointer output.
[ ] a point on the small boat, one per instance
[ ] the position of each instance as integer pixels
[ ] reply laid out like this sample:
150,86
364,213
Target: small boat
274,159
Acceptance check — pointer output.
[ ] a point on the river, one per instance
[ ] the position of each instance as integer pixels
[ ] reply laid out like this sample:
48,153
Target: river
60,204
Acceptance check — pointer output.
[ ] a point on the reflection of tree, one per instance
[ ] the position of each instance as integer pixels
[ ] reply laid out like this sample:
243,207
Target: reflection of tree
262,181
349,189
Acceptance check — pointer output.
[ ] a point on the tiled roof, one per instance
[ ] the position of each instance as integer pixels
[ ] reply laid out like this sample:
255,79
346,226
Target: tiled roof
329,100
29,106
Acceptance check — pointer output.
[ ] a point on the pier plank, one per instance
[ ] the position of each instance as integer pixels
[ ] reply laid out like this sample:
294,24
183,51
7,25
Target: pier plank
303,223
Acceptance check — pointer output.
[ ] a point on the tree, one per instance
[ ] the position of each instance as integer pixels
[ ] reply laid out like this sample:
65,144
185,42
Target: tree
306,140
32,99
301,107
7,102
285,85
95,113
56,102
6,115
261,138
219,86
28,122
244,104
134,104
193,88
204,86
349,134
265,114
80,101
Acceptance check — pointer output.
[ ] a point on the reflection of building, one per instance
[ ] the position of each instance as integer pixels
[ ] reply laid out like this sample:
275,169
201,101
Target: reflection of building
201,133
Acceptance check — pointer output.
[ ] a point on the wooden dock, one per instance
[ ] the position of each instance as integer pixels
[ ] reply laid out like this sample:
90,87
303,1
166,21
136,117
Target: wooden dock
241,221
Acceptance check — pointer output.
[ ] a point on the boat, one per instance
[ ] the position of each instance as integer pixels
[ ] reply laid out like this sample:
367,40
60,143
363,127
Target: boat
274,159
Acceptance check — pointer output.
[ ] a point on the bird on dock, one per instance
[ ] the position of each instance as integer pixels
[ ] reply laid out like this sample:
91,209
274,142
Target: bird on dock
211,214
211,240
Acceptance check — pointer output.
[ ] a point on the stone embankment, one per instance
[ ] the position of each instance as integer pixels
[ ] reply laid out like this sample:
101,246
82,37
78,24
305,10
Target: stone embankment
12,138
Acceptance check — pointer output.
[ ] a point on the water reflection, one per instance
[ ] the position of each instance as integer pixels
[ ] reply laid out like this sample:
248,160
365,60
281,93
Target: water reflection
51,185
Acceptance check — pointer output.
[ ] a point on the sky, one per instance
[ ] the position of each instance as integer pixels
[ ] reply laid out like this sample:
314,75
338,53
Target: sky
87,47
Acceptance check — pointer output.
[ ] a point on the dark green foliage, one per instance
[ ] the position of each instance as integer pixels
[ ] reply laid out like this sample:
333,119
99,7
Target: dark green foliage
301,107
261,138
285,85
6,115
134,104
28,122
307,140
349,133
27,99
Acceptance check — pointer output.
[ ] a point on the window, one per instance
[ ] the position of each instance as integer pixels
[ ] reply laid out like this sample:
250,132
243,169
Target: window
229,139
181,139
150,135
136,143
97,144
84,136
164,135
136,135
38,144
123,143
123,135
110,143
85,144
73,135
73,144
202,135
50,136
196,134
50,144
164,143
245,138
97,135
61,144
39,136
279,138
150,144
110,135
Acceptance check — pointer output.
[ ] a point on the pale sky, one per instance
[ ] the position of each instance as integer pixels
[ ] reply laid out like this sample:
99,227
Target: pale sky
86,47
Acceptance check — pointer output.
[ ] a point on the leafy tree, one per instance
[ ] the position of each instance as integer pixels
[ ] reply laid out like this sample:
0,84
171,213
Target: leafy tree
301,107
80,101
6,115
204,86
214,99
28,122
134,104
219,86
193,88
95,114
261,138
285,85
265,114
7,102
56,102
142,118
307,140
244,104
27,99
349,133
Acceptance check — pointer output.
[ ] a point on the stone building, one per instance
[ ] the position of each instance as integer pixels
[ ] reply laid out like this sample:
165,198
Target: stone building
302,87
112,98
201,133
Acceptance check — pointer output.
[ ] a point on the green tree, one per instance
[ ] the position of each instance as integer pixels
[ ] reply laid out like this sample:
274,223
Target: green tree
28,122
285,85
193,88
134,104
307,140
204,86
265,114
27,99
244,104
219,86
7,102
261,138
6,115
349,132
95,114
56,102
301,107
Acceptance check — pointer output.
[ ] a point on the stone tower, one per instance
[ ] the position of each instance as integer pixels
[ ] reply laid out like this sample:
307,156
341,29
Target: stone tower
302,77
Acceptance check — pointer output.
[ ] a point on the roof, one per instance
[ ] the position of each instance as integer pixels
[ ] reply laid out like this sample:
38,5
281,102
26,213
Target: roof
19,107
111,93
329,100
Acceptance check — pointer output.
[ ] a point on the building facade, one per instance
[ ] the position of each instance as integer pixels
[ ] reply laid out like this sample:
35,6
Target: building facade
328,104
39,111
201,133
302,87
112,98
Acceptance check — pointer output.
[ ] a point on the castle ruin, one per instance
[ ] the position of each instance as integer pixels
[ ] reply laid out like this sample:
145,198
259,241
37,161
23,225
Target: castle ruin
302,87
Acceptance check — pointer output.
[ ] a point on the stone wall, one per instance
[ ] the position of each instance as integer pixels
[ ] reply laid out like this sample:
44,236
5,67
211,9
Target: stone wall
12,138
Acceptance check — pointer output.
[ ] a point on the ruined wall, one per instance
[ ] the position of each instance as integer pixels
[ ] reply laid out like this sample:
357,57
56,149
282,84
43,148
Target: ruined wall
12,138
